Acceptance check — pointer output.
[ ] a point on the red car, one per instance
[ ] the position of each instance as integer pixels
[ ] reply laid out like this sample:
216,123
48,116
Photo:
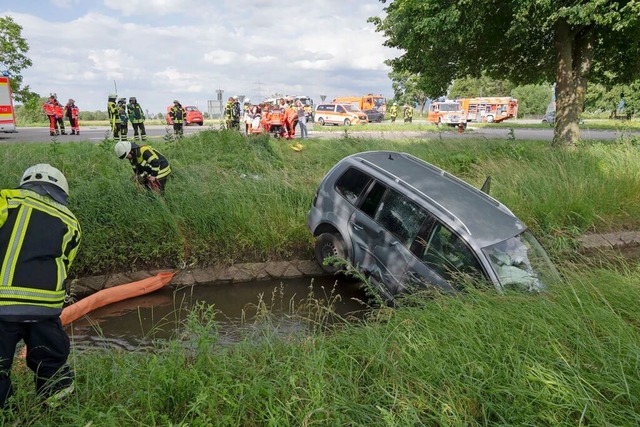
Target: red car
194,116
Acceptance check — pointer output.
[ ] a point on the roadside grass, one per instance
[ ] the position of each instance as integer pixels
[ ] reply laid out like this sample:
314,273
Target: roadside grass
236,199
569,356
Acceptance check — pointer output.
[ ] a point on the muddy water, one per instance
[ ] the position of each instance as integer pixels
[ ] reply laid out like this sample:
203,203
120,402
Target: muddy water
136,323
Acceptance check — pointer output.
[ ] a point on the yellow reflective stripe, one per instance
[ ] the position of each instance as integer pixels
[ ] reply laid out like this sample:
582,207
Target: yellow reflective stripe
31,293
36,204
37,201
15,244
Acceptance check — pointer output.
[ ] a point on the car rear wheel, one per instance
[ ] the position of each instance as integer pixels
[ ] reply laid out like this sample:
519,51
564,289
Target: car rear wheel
330,245
200,124
347,122
490,119
321,121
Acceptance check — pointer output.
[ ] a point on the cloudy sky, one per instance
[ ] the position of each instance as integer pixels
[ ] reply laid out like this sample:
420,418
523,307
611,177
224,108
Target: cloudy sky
160,50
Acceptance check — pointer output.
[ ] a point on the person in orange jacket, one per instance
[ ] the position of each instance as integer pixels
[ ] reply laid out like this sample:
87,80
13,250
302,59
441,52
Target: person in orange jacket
71,111
290,119
59,112
49,109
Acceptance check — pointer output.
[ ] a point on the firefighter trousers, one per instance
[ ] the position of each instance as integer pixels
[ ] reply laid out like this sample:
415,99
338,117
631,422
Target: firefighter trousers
47,352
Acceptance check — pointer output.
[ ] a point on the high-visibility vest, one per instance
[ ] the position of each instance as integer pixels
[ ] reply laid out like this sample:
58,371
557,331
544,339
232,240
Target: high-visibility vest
150,161
39,239
48,108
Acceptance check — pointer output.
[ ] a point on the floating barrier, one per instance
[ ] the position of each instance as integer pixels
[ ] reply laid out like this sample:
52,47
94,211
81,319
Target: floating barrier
114,294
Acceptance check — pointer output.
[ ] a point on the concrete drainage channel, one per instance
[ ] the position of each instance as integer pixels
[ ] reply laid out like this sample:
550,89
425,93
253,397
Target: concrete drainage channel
238,273
626,242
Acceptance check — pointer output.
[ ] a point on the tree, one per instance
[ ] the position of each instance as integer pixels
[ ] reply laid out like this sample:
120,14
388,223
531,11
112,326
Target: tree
484,85
407,89
524,41
13,59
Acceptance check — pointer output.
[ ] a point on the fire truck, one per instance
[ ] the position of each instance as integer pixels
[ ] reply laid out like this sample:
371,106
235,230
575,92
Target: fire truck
7,113
489,109
445,113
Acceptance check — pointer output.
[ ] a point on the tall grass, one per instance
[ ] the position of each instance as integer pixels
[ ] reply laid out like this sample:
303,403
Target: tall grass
567,357
232,199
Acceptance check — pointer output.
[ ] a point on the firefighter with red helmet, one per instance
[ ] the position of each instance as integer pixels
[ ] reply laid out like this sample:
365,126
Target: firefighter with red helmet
71,111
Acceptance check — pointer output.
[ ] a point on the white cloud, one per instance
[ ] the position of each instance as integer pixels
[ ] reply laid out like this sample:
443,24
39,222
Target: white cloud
187,49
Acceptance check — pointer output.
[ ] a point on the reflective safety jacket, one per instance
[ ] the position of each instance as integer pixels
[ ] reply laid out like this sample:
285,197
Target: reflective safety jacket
57,108
136,115
39,239
148,161
71,110
49,108
114,112
177,114
393,111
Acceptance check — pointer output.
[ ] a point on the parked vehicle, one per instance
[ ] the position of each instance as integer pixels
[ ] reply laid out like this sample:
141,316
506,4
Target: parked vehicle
407,224
445,113
489,109
366,102
374,116
193,116
549,117
339,114
7,113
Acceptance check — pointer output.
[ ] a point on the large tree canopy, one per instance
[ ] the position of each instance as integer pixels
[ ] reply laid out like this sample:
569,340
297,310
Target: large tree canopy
13,59
524,41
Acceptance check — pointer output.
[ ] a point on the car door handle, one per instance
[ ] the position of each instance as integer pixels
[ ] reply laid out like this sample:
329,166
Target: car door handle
394,243
357,227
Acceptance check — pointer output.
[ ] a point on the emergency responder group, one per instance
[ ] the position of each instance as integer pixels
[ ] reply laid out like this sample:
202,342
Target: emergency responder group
120,114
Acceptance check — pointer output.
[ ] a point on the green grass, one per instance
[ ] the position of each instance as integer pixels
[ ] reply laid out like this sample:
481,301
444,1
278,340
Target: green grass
232,199
568,357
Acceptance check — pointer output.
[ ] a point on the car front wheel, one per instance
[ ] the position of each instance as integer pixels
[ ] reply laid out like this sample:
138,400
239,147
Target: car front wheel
321,121
347,122
330,245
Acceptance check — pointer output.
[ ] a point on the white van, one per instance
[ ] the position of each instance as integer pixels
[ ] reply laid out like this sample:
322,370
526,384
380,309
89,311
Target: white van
339,114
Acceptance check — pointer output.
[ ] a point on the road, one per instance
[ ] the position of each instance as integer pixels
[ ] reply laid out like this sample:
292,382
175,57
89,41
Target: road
98,133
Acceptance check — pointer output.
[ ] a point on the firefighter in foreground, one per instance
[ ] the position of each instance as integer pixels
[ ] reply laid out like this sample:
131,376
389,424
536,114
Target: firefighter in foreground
150,167
39,239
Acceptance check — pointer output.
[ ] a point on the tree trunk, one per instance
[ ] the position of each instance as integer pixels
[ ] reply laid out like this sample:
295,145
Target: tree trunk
574,50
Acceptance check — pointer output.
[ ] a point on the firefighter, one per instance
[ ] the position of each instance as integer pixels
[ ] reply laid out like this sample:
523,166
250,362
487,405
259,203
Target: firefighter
136,117
408,113
71,110
49,109
235,114
228,113
393,112
59,112
150,168
177,114
114,115
39,239
124,119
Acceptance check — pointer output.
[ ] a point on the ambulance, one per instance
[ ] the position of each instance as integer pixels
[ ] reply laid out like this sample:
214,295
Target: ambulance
7,113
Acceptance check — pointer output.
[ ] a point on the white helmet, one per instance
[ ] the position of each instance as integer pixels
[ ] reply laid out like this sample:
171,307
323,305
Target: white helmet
122,148
43,172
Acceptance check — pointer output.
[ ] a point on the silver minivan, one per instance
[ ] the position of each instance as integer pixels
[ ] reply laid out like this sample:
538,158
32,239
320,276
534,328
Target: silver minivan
404,223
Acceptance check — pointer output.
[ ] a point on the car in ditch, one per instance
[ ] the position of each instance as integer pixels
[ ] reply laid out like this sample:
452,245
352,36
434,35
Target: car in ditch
407,224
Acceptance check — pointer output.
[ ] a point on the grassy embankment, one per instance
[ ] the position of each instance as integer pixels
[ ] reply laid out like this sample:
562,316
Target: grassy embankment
569,357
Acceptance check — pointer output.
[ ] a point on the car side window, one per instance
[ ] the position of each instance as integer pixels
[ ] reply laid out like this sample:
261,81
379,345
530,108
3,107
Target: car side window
445,252
395,212
340,109
352,183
